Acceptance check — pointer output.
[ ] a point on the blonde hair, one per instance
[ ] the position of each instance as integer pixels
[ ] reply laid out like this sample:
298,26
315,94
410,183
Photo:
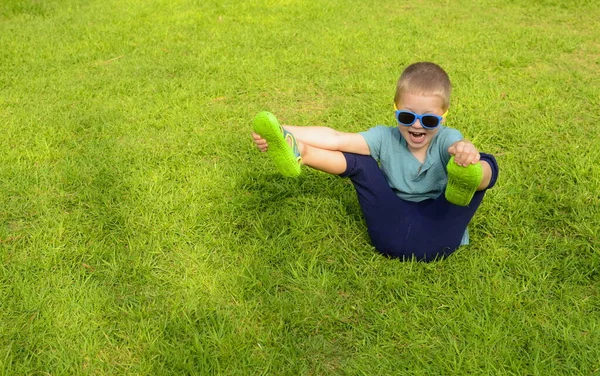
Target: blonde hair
424,78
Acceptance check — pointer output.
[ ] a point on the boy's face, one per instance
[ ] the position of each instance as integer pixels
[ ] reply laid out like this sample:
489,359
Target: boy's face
417,137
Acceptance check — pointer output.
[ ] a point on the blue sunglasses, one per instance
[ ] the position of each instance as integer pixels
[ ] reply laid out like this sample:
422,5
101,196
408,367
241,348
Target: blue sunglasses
428,121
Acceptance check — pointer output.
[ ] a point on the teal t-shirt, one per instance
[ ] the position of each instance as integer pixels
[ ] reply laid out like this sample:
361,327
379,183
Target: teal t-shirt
410,179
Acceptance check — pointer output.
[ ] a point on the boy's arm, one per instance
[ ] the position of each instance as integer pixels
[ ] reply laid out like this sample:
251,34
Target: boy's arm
330,139
464,152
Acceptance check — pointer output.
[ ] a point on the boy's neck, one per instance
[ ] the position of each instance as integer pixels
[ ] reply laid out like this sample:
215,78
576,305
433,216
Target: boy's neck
420,154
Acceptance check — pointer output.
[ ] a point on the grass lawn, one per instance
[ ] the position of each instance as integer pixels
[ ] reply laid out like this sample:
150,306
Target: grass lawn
141,233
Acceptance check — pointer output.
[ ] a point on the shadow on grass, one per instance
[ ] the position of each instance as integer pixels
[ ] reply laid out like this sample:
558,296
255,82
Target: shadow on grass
267,193
312,211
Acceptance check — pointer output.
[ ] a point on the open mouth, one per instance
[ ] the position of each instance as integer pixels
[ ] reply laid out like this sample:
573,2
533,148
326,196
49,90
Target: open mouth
417,136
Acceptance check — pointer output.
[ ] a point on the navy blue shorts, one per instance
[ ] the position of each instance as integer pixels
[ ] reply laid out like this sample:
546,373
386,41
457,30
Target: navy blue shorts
426,230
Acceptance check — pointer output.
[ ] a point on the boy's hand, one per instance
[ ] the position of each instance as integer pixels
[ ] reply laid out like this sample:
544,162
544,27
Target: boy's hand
464,152
260,142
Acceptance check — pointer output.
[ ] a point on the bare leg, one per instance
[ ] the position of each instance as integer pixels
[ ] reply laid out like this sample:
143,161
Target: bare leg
320,137
320,147
487,176
329,161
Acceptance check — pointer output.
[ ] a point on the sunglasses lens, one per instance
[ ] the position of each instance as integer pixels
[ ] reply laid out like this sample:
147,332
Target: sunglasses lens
430,121
406,118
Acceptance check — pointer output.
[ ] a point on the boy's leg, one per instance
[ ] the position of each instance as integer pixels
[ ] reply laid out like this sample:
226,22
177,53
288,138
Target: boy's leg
489,170
320,137
442,224
441,227
289,147
329,161
386,215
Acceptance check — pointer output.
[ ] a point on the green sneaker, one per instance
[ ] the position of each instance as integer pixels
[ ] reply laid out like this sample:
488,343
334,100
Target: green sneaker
283,148
462,182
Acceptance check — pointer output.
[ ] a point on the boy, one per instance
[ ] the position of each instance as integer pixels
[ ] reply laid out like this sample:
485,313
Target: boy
419,199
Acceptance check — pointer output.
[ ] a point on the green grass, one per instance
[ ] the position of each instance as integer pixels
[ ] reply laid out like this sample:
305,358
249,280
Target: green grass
142,233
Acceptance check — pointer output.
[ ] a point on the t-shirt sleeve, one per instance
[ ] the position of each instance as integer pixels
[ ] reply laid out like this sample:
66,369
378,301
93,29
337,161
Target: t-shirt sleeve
374,138
448,137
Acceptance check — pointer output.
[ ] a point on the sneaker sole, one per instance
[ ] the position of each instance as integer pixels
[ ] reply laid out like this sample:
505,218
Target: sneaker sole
462,182
282,155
